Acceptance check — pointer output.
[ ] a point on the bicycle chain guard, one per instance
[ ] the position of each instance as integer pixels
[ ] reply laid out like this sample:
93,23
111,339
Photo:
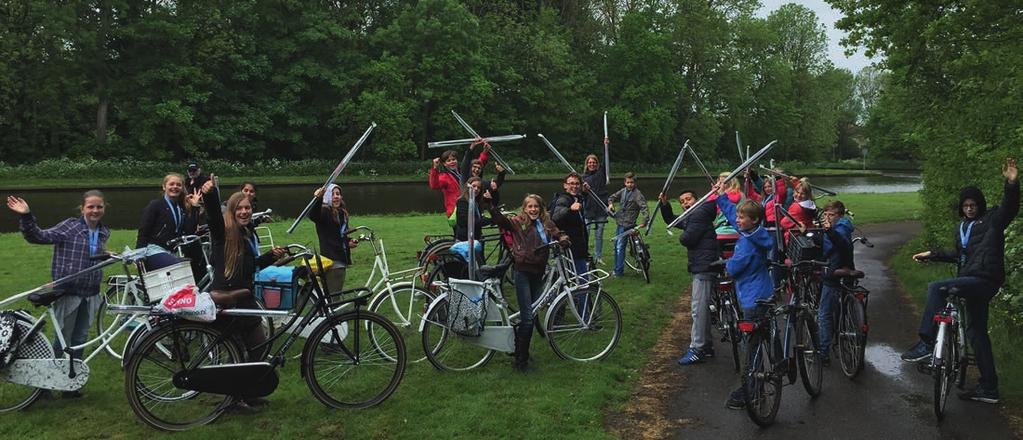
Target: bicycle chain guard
255,379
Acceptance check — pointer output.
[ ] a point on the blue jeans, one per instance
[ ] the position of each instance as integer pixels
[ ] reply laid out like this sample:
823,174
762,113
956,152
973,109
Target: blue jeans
978,293
527,289
826,316
620,251
597,225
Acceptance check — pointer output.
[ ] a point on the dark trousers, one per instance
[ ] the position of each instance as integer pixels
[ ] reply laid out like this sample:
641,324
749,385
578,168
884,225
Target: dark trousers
978,293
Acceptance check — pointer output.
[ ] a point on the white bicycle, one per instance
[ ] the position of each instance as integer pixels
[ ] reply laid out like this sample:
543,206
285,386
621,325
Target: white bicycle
583,322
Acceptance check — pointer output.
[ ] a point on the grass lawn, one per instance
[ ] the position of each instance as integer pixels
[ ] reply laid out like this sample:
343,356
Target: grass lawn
562,399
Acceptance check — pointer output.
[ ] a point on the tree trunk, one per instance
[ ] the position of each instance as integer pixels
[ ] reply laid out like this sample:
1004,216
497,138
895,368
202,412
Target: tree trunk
101,116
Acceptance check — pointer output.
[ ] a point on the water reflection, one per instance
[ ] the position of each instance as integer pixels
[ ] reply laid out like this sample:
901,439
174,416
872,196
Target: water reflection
884,359
125,204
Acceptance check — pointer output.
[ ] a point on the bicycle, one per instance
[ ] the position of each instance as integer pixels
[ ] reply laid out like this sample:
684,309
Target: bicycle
851,326
207,368
951,356
724,309
36,366
777,351
583,322
638,252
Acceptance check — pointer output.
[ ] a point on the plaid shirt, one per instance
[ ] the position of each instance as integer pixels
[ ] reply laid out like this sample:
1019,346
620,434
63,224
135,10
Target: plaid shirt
70,240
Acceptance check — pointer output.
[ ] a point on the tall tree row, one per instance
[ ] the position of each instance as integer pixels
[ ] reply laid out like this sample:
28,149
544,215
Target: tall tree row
300,78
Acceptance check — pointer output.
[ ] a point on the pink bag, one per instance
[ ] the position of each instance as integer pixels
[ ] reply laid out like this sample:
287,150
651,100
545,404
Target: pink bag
189,304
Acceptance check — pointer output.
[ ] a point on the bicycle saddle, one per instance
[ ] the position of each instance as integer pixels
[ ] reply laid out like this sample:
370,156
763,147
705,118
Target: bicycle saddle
848,273
45,298
495,271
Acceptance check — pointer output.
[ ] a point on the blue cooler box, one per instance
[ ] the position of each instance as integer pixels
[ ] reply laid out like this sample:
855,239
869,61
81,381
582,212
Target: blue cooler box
276,287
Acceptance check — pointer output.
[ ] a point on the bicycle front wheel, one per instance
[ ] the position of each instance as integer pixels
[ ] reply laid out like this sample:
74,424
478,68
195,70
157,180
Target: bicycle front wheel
447,350
404,305
811,370
165,351
584,326
13,396
114,295
644,260
354,360
631,258
761,385
731,320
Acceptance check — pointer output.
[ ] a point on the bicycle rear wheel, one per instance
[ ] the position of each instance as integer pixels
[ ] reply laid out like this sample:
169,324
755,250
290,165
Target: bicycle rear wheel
631,258
404,305
447,350
354,360
149,375
962,355
760,383
584,326
852,336
114,295
732,330
944,371
811,370
644,260
13,396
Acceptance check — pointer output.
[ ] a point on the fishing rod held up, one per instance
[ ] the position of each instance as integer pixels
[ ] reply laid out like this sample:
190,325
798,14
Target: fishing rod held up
337,172
786,176
607,155
667,183
749,162
568,165
692,152
477,138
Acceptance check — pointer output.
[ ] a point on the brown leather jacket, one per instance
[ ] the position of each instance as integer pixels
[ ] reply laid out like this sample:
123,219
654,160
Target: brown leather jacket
525,240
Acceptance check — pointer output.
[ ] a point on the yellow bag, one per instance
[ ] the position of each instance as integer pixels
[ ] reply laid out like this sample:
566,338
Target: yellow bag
326,262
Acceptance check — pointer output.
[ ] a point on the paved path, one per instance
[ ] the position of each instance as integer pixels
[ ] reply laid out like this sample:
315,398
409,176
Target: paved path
889,400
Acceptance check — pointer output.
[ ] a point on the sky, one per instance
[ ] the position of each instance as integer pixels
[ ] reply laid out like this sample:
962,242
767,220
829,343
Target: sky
828,17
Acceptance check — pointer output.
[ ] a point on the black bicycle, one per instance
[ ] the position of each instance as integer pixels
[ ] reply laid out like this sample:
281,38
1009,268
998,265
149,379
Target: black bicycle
639,253
184,374
724,309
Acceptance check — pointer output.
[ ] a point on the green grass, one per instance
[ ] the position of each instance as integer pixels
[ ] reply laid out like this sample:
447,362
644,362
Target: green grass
879,208
913,277
562,399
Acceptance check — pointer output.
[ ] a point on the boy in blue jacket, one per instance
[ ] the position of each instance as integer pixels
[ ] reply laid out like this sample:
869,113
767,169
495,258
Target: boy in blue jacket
839,254
748,265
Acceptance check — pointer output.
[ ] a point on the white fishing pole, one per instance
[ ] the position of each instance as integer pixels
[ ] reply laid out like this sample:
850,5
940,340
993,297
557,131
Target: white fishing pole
607,154
572,169
667,183
337,172
696,158
786,176
755,157
479,138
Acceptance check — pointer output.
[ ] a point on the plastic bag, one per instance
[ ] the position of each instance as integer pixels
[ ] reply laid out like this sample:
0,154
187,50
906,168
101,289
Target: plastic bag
189,304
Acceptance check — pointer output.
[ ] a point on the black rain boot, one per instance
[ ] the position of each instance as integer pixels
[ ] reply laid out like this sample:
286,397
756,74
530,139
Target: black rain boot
522,348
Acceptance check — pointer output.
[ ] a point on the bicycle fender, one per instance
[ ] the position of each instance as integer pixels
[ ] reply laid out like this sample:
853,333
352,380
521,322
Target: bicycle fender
422,322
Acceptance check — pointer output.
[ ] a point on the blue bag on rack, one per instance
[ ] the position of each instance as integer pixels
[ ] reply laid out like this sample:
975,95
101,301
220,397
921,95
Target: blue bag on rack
276,287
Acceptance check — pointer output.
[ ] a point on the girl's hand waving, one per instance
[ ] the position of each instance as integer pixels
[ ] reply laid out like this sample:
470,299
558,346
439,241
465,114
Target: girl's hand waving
17,204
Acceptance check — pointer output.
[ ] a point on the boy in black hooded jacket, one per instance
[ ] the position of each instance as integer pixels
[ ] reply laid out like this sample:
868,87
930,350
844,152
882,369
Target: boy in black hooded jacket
980,253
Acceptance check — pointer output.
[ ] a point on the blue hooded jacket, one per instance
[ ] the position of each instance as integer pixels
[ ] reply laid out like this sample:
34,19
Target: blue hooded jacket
748,265
838,248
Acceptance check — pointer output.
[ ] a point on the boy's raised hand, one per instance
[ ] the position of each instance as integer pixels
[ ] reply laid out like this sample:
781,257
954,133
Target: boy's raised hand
1010,171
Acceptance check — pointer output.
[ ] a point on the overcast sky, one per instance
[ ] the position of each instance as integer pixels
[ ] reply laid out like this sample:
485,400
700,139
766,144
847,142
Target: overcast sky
828,17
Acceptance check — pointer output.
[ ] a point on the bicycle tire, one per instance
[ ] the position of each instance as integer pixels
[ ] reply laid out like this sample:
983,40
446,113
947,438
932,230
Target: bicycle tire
963,355
630,259
944,374
733,335
852,338
808,356
144,383
344,341
404,305
644,261
565,331
119,296
446,350
761,385
14,397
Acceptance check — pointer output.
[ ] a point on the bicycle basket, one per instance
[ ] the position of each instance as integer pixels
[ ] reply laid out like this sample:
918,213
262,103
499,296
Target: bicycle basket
805,247
467,307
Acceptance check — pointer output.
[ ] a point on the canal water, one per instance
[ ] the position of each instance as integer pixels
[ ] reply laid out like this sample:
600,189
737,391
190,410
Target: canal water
124,205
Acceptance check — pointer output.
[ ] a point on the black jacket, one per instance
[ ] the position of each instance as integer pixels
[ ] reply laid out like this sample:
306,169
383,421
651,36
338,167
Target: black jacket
598,184
571,222
698,237
985,247
157,225
462,219
328,230
244,277
194,183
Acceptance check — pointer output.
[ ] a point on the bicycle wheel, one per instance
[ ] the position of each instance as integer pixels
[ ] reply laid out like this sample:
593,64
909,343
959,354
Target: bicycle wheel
403,305
732,329
851,336
447,350
584,326
944,371
962,355
113,295
643,255
149,375
13,396
808,356
347,368
761,384
631,258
